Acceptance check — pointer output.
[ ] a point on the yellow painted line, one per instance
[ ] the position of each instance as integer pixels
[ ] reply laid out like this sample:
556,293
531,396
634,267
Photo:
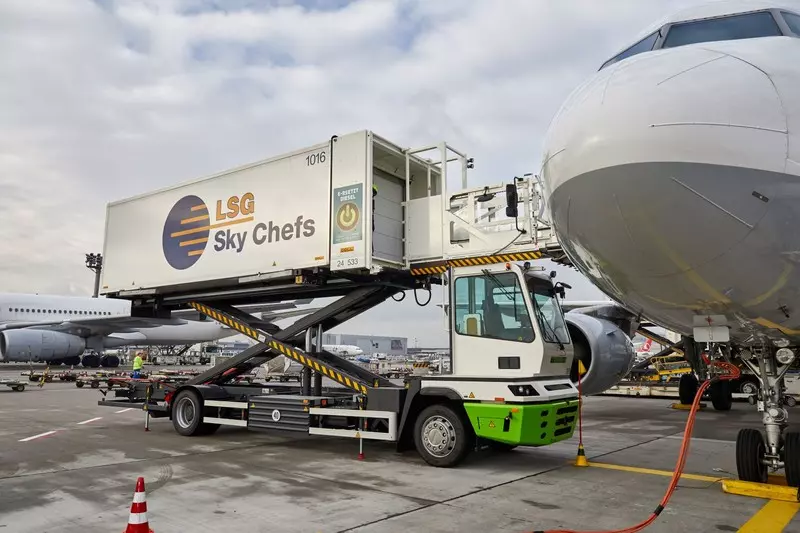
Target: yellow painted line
651,471
773,517
760,490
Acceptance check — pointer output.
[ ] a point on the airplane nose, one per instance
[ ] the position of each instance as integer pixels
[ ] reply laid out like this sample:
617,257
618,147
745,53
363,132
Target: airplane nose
668,161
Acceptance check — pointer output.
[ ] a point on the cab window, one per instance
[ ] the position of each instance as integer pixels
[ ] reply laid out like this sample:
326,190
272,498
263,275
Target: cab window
747,26
645,45
793,21
492,306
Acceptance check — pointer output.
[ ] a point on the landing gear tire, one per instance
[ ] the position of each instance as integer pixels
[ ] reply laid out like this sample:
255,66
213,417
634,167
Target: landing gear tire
750,450
791,458
721,395
687,389
443,436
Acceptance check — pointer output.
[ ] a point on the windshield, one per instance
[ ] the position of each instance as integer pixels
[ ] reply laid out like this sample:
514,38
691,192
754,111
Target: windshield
492,306
747,26
793,21
548,312
645,45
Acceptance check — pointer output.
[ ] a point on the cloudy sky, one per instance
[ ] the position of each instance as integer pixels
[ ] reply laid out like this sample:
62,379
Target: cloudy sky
105,99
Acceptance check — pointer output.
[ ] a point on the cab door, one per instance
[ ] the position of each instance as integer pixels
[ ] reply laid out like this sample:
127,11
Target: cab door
491,327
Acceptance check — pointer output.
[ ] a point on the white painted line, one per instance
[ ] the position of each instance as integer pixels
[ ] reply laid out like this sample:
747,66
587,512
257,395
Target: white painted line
37,436
90,420
699,439
124,410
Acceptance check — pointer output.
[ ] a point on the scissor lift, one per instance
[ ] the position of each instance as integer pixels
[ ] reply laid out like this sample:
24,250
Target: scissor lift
508,383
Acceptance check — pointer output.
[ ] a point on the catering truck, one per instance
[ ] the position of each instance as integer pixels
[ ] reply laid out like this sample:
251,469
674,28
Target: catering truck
363,219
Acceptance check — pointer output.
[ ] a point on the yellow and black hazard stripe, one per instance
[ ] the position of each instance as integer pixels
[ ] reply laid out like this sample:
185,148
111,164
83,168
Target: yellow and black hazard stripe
314,364
441,266
238,325
421,365
285,349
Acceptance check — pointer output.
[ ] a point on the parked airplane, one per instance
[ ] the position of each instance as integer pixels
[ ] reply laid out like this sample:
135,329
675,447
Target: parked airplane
672,182
60,328
342,349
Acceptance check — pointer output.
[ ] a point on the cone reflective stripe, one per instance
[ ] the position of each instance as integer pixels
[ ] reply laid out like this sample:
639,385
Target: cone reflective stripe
137,520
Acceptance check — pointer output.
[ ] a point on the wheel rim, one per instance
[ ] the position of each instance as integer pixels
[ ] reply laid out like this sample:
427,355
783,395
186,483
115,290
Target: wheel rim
438,436
185,412
749,388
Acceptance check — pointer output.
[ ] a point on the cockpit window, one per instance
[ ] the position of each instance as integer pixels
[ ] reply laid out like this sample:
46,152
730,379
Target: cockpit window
747,26
793,21
645,45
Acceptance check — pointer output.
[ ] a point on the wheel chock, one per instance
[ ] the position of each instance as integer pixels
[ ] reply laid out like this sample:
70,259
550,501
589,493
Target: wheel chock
687,407
581,460
777,479
765,491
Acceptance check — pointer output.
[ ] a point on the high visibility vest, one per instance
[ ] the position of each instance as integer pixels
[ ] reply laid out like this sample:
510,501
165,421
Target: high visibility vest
137,363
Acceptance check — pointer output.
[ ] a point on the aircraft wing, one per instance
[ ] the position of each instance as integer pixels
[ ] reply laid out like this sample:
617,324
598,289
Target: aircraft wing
96,326
272,311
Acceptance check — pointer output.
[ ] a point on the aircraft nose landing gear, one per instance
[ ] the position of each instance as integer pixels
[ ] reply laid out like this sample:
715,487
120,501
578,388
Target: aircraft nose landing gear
757,454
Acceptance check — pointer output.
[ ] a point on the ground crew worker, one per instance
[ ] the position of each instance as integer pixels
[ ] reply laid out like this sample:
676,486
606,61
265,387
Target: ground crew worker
137,366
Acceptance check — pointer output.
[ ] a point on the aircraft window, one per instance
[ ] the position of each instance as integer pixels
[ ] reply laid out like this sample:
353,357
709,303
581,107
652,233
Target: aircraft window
793,21
748,26
645,45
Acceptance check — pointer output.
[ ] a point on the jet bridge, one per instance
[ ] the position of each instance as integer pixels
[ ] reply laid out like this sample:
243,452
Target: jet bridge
270,242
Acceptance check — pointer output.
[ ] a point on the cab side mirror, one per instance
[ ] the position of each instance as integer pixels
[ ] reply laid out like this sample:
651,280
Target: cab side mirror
511,201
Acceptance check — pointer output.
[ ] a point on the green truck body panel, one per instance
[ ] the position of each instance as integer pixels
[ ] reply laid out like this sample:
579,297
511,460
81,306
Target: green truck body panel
535,424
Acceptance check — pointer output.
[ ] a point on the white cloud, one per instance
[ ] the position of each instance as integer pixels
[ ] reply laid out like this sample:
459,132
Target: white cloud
103,100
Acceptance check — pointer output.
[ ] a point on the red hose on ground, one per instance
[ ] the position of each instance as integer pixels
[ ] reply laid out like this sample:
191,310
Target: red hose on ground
733,372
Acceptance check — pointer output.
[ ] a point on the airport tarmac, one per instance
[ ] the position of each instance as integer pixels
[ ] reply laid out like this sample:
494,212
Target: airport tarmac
68,465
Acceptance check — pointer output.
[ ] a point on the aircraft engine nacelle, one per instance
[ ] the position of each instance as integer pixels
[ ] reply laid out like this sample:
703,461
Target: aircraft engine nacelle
38,345
605,350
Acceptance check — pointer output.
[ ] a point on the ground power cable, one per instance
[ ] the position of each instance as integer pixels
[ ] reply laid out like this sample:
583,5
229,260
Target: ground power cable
731,372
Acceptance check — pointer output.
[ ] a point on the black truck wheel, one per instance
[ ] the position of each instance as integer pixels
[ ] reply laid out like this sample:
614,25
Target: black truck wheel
750,450
187,413
443,436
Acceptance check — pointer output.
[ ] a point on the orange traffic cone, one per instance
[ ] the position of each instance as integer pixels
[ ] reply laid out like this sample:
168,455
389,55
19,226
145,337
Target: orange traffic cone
137,521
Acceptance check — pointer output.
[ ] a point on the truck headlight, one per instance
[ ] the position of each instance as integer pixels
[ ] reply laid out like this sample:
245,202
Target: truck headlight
781,343
523,390
784,356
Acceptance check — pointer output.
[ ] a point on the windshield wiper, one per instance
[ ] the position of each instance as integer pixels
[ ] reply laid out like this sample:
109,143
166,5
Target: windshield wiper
544,322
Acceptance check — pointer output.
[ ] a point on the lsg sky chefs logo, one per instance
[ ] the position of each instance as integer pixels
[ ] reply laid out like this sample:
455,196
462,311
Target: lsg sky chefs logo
189,227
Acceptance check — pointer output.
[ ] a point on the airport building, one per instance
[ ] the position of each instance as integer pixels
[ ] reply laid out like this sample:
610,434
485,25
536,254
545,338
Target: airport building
371,344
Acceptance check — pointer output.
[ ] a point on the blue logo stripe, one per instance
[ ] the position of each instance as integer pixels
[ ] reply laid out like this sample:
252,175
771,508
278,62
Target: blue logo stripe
186,232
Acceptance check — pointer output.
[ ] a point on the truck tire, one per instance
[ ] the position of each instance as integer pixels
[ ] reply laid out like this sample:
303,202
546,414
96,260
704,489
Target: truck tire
443,436
748,385
187,414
